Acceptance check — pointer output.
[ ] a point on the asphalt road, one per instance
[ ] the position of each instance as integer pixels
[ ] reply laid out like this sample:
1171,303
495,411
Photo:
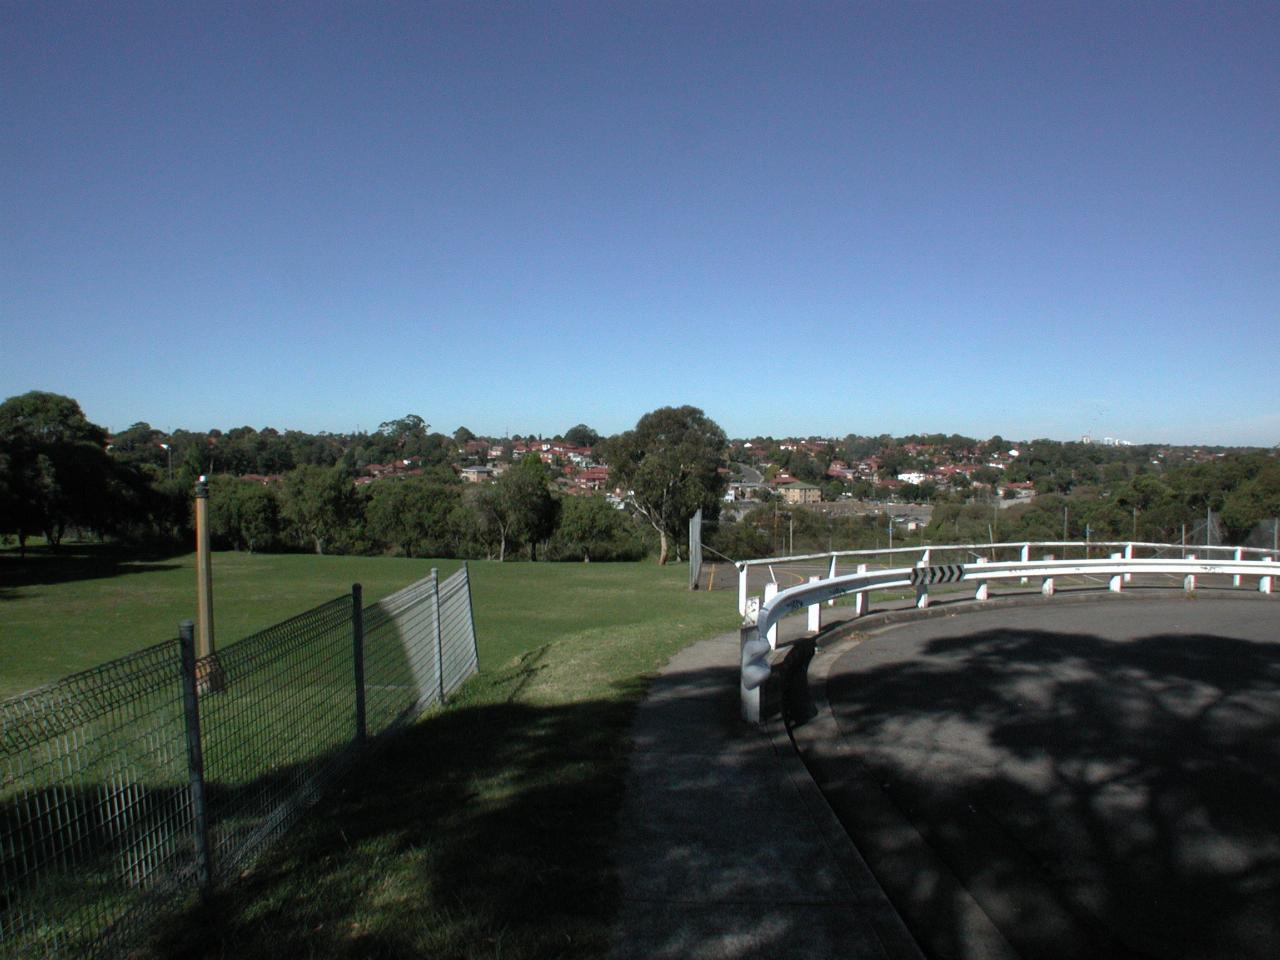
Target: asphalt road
1067,781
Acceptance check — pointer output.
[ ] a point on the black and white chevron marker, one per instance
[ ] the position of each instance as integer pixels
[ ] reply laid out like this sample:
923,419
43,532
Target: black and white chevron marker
943,573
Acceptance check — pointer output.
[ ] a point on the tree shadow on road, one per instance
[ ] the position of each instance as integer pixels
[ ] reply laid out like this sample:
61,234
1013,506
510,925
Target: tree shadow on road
1097,798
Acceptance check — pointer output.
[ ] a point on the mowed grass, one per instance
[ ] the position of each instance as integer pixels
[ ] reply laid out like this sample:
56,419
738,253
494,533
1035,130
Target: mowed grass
483,830
60,614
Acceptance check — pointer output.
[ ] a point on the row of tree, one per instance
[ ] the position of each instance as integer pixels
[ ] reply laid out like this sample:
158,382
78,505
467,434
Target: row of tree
317,508
58,473
672,464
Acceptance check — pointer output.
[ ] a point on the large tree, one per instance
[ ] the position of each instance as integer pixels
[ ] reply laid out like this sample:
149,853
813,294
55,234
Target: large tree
528,511
670,465
318,503
413,513
581,436
57,473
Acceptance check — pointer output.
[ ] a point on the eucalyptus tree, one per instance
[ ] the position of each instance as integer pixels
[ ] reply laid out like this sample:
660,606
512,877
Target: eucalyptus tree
671,465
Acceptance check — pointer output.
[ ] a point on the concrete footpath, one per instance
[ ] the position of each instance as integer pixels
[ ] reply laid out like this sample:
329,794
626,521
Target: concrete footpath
727,848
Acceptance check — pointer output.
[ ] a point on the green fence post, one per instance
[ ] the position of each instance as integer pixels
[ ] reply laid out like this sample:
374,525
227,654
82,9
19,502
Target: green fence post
435,587
195,757
357,656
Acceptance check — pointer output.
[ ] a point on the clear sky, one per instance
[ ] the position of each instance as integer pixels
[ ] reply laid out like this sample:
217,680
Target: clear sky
1033,219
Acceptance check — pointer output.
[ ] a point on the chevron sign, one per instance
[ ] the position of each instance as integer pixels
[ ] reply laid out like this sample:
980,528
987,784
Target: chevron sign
943,573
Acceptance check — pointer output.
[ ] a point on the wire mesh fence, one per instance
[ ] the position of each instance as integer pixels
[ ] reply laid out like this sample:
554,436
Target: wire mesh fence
94,805
119,802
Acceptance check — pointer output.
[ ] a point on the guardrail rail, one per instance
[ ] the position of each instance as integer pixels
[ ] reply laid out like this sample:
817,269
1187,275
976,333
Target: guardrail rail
761,614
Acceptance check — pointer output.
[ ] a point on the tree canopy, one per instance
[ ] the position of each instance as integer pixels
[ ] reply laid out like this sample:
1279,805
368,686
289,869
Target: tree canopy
581,436
670,465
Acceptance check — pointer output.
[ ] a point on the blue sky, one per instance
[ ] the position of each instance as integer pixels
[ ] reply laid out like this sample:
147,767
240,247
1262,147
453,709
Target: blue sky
1040,219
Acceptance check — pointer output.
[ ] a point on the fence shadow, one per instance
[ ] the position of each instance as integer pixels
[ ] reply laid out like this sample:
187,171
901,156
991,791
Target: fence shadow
1096,798
496,807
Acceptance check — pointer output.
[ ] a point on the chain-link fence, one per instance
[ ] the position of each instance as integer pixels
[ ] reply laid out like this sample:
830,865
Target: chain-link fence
127,789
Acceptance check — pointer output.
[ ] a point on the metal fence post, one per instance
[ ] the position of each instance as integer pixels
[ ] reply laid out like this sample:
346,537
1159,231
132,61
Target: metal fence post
357,658
435,591
195,756
471,608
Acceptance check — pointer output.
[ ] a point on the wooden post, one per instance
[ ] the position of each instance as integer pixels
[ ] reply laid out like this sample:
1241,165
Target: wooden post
209,677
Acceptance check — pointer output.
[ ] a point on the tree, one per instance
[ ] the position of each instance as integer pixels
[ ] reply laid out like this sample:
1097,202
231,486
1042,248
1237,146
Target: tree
485,522
242,513
525,503
318,503
670,464
581,436
413,513
57,473
590,528
462,436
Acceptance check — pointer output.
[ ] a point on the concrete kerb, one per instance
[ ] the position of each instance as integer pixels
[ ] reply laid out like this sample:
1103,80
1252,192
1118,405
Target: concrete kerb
869,896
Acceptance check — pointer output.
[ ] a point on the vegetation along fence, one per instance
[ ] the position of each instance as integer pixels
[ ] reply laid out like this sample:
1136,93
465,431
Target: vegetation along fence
129,788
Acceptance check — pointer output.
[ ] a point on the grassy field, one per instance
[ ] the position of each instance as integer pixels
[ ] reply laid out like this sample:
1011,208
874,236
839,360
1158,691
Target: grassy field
61,614
484,830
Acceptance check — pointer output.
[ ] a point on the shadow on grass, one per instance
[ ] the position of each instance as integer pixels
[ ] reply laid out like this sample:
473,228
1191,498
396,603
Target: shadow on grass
80,561
1097,798
483,830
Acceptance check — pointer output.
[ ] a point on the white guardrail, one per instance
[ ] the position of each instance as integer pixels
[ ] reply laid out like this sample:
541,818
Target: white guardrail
759,636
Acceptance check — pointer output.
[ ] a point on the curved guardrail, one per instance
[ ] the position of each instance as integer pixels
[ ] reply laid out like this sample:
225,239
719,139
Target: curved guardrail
1129,548
759,628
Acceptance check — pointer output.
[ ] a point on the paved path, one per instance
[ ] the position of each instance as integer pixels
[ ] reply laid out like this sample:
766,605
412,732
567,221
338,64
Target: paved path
1065,780
727,848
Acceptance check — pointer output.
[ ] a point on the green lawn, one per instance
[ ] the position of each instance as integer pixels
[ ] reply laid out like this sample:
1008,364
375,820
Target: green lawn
483,830
62,614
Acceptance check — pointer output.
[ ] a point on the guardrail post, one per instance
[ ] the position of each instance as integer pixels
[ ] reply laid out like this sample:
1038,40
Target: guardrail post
1046,586
195,757
922,588
771,591
1264,583
1189,581
982,593
815,611
1025,556
357,658
1115,583
861,597
1235,581
1128,555
754,670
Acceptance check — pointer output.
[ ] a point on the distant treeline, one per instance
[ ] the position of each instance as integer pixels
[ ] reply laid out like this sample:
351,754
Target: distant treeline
61,474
